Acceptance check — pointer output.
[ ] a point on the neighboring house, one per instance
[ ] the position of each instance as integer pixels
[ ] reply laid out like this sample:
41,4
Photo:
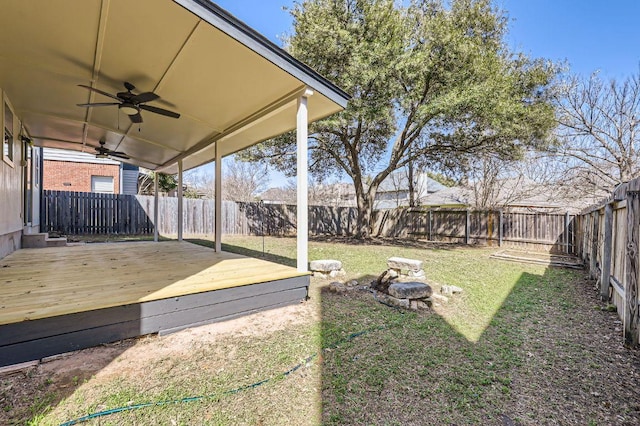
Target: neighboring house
278,196
452,197
82,172
512,194
394,191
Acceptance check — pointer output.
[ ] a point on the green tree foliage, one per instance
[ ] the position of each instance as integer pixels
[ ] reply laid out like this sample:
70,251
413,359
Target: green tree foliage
432,84
166,183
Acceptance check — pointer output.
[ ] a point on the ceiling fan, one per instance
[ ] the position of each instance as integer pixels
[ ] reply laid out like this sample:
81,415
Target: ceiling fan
104,152
130,103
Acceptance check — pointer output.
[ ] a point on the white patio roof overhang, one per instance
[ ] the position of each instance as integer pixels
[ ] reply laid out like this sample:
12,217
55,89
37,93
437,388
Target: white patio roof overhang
231,86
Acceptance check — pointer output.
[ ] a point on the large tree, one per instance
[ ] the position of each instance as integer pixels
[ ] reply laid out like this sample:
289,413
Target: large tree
600,131
431,83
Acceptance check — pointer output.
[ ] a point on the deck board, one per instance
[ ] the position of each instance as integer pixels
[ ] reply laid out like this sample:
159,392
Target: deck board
41,283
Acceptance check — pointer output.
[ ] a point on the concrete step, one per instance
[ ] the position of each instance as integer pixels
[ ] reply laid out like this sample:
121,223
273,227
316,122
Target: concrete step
42,240
38,240
56,242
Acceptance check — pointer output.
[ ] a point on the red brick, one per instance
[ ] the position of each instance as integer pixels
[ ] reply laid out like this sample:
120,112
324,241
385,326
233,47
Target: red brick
78,175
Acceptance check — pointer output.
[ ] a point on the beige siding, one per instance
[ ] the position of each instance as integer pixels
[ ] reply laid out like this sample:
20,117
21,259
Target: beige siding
11,186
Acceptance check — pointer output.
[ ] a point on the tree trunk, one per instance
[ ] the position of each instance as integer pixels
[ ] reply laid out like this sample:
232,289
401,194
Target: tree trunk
365,211
365,201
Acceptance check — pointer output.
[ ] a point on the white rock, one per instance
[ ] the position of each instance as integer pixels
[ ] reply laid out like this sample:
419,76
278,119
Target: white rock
404,263
325,265
439,298
340,273
417,274
390,300
393,273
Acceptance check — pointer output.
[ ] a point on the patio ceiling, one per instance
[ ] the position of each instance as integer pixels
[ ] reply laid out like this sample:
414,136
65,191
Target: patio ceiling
229,84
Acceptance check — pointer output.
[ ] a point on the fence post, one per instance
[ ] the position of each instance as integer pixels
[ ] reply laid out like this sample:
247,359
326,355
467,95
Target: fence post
594,244
467,227
605,272
567,232
632,264
430,226
500,235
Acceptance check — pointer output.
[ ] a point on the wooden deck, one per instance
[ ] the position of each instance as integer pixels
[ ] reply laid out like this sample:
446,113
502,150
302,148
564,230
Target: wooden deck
58,299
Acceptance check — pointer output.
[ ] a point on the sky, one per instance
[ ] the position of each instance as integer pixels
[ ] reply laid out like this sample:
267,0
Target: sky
587,35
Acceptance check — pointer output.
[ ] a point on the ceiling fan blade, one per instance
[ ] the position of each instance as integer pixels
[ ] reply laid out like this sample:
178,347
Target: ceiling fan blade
160,111
98,104
144,97
93,89
136,118
119,155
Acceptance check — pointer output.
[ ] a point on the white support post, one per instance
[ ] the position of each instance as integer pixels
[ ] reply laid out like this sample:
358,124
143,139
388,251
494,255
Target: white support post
180,201
302,135
155,207
218,201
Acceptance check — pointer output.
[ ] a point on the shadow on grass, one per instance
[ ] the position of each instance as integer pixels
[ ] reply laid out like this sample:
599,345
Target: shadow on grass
387,241
418,368
283,260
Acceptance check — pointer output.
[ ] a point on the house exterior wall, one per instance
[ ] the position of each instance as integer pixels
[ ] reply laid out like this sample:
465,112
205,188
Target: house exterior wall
129,178
11,189
73,176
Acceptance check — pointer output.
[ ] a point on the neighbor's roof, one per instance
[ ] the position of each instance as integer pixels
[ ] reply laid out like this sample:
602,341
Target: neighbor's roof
452,196
399,181
229,83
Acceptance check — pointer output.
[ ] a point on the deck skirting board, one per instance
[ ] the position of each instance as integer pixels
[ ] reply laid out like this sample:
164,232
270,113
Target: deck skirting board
32,340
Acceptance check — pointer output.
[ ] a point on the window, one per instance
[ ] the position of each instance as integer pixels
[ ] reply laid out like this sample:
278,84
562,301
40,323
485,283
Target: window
102,184
7,140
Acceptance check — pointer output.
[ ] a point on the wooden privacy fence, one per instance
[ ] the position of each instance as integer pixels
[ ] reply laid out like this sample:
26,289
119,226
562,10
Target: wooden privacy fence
89,213
76,213
608,236
543,231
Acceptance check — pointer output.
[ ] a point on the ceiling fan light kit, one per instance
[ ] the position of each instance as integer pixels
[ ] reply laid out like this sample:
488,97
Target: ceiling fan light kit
129,109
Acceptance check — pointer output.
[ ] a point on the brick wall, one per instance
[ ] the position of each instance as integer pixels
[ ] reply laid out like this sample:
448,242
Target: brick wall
70,176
